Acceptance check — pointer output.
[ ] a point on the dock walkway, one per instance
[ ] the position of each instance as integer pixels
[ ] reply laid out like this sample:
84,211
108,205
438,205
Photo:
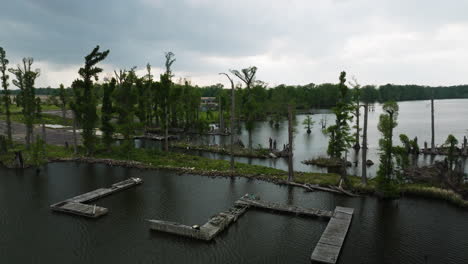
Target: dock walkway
208,231
329,246
327,249
284,208
76,205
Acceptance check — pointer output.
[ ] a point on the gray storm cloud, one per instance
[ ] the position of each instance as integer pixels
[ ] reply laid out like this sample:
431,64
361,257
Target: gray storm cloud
292,42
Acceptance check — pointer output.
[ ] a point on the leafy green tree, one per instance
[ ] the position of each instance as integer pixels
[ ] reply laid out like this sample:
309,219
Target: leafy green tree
386,173
143,88
452,143
125,100
25,79
340,133
6,93
84,105
107,111
147,103
308,122
63,96
165,88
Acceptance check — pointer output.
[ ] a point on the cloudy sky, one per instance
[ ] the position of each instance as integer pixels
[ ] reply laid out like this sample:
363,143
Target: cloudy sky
291,42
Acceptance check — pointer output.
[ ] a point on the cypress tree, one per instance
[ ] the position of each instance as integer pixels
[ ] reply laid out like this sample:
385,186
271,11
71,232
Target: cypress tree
85,103
25,79
6,94
106,115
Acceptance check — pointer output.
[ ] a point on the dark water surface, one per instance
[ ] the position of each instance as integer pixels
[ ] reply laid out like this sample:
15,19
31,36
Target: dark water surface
403,231
414,120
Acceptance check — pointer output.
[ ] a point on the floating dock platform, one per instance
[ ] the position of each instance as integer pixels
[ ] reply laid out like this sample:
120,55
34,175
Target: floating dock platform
329,246
77,205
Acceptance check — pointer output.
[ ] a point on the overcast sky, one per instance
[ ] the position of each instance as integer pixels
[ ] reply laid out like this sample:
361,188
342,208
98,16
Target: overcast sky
291,42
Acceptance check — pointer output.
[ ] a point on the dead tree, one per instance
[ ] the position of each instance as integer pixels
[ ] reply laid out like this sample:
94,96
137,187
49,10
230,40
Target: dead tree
233,108
356,98
290,148
432,123
221,115
364,146
75,141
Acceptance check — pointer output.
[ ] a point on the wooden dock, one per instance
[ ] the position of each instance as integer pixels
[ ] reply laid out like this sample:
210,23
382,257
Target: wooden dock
222,220
76,205
329,246
208,231
291,209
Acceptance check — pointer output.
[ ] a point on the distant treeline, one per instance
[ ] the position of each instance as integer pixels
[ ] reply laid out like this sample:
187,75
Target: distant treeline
325,95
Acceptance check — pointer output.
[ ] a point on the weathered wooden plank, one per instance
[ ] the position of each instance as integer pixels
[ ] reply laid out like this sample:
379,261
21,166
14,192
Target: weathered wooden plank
75,205
326,253
81,209
329,246
208,231
284,208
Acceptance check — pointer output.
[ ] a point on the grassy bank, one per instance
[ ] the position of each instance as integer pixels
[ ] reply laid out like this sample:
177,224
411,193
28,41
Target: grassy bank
48,119
259,152
176,161
151,159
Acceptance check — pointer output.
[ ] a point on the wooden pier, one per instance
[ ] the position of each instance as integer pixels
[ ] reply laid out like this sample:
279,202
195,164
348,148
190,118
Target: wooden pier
329,246
327,249
222,220
76,205
291,209
208,231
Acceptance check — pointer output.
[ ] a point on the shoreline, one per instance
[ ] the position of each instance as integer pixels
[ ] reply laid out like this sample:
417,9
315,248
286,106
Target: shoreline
425,192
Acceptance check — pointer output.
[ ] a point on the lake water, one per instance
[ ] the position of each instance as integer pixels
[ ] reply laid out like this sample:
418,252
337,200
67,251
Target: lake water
403,231
414,119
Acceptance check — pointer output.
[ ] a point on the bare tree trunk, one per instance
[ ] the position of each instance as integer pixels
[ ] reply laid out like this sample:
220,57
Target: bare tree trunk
75,143
64,113
28,139
290,149
364,146
432,123
43,132
166,129
344,175
233,113
356,145
250,139
8,121
221,117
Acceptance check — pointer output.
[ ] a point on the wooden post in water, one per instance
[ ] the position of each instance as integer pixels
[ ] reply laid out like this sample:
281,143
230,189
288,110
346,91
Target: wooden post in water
290,149
432,123
364,146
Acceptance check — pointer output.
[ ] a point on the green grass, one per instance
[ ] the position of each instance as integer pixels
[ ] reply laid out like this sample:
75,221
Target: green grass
48,119
51,152
324,162
258,152
205,166
201,165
